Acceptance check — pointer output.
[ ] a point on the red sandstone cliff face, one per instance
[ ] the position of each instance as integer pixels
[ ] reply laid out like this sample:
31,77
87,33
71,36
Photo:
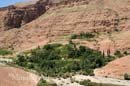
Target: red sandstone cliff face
16,16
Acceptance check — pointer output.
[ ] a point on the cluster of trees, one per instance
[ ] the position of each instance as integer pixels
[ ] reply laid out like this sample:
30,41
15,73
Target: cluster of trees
63,60
82,36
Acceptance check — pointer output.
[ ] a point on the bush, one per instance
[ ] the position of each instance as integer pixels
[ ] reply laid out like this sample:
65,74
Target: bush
118,54
126,76
126,53
84,82
116,29
74,36
4,51
44,83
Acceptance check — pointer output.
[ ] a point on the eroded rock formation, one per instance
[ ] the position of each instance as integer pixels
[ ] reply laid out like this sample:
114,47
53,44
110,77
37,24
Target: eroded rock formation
17,16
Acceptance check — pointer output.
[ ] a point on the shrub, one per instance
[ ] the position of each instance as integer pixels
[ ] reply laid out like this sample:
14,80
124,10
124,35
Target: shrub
126,53
44,83
84,82
118,54
126,76
116,29
74,36
4,51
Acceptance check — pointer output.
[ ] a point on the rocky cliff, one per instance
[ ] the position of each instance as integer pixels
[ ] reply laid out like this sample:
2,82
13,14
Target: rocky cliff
18,16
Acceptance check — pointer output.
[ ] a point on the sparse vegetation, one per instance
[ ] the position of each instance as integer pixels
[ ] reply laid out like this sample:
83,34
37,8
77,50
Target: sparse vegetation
126,53
5,51
62,60
89,83
118,54
82,36
116,29
44,83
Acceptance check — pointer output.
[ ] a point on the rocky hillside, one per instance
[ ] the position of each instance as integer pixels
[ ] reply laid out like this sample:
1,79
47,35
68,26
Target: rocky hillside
115,69
54,20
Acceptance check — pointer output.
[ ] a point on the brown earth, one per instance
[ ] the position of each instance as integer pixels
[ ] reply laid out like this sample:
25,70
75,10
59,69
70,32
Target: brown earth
10,76
115,69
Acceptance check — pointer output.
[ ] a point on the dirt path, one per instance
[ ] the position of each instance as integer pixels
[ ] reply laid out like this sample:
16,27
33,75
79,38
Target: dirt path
72,81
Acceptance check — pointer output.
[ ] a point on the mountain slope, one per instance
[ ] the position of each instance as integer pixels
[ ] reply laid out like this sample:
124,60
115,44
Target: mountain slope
64,18
115,69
